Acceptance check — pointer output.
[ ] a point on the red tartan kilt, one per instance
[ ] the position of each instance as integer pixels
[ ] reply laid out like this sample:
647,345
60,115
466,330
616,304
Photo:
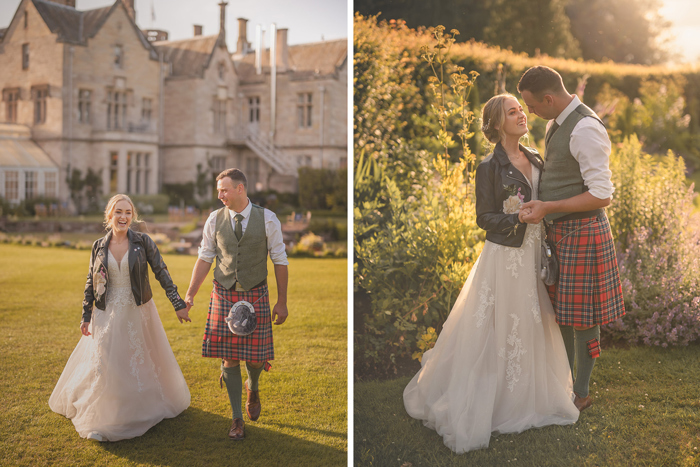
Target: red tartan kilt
588,291
220,342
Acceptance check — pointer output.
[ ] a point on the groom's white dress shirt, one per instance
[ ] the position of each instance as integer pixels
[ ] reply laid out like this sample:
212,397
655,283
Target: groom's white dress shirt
273,231
590,146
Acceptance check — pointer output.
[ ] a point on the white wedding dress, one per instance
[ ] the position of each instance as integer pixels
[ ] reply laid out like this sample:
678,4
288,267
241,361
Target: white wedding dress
123,379
499,364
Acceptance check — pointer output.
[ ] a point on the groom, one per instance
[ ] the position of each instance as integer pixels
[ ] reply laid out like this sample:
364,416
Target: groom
574,190
239,236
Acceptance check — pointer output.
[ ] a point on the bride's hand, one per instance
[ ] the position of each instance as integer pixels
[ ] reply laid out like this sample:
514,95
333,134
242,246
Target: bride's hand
84,328
183,314
523,213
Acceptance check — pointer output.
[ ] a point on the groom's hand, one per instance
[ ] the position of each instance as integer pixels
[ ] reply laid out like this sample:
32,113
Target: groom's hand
280,313
533,211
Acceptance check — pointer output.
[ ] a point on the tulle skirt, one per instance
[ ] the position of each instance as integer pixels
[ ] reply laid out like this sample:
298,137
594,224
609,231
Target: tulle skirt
499,364
123,379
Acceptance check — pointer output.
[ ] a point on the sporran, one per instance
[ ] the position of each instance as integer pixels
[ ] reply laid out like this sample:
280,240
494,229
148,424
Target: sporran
241,318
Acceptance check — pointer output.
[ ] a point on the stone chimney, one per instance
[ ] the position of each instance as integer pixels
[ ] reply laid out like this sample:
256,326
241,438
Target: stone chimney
282,51
197,30
242,45
222,24
129,4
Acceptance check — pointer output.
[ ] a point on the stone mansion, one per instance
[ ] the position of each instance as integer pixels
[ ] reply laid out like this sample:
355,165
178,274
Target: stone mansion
91,90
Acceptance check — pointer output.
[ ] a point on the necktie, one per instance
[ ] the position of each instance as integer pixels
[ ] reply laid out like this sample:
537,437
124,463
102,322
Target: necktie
550,132
239,226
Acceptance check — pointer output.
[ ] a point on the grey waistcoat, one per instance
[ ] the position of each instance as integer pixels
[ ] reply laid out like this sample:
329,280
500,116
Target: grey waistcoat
561,178
244,261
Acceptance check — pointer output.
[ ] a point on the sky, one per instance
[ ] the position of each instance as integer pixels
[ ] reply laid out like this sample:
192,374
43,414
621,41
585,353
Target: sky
306,20
685,16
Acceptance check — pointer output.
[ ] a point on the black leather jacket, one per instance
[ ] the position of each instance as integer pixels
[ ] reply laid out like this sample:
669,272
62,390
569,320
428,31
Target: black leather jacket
142,251
496,181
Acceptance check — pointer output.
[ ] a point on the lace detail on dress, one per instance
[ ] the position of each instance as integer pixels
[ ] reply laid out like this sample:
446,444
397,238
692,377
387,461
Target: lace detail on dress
535,305
119,294
486,300
135,344
515,259
533,234
513,369
156,377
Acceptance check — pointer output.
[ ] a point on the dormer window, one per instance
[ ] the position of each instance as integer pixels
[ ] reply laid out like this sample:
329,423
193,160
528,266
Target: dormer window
118,56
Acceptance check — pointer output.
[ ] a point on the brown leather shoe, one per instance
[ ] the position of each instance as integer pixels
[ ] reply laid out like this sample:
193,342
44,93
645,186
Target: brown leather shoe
252,405
237,431
582,403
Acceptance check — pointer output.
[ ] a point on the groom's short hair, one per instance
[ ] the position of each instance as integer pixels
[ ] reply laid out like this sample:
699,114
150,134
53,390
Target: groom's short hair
541,79
236,176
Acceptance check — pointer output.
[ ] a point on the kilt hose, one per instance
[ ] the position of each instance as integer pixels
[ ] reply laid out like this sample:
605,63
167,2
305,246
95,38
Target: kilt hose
220,342
588,291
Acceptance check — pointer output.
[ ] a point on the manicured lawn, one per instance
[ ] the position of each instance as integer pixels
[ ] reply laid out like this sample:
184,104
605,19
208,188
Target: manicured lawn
304,396
646,412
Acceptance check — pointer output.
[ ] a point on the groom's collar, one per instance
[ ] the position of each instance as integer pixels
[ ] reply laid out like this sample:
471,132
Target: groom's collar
245,212
575,102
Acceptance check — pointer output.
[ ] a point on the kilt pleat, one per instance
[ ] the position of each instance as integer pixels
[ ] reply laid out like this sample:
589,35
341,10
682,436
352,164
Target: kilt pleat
588,291
220,342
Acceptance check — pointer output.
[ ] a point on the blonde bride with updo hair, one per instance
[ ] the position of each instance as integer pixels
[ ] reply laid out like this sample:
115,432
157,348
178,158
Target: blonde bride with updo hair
122,377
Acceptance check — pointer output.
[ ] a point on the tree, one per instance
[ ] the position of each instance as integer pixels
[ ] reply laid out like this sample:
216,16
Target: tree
536,26
467,16
627,31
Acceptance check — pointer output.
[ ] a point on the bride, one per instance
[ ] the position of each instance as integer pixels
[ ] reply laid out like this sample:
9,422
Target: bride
122,378
499,364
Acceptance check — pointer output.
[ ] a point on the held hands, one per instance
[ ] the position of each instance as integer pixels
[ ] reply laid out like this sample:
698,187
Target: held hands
522,213
84,328
280,313
183,314
532,212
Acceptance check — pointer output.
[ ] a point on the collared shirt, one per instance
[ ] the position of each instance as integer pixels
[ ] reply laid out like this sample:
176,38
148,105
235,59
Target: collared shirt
273,231
590,146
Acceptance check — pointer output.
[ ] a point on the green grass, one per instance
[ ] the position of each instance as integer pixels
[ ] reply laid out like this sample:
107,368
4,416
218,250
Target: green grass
304,396
646,412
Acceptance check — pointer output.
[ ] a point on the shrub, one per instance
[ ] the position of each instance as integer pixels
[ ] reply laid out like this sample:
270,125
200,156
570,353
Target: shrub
180,193
323,188
313,246
333,229
414,247
658,241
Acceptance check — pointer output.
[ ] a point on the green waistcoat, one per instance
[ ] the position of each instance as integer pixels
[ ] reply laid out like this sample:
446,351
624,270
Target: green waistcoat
561,178
244,261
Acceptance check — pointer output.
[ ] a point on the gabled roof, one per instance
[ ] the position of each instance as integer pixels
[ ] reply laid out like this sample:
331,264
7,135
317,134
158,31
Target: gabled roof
189,57
76,27
94,19
305,60
62,20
